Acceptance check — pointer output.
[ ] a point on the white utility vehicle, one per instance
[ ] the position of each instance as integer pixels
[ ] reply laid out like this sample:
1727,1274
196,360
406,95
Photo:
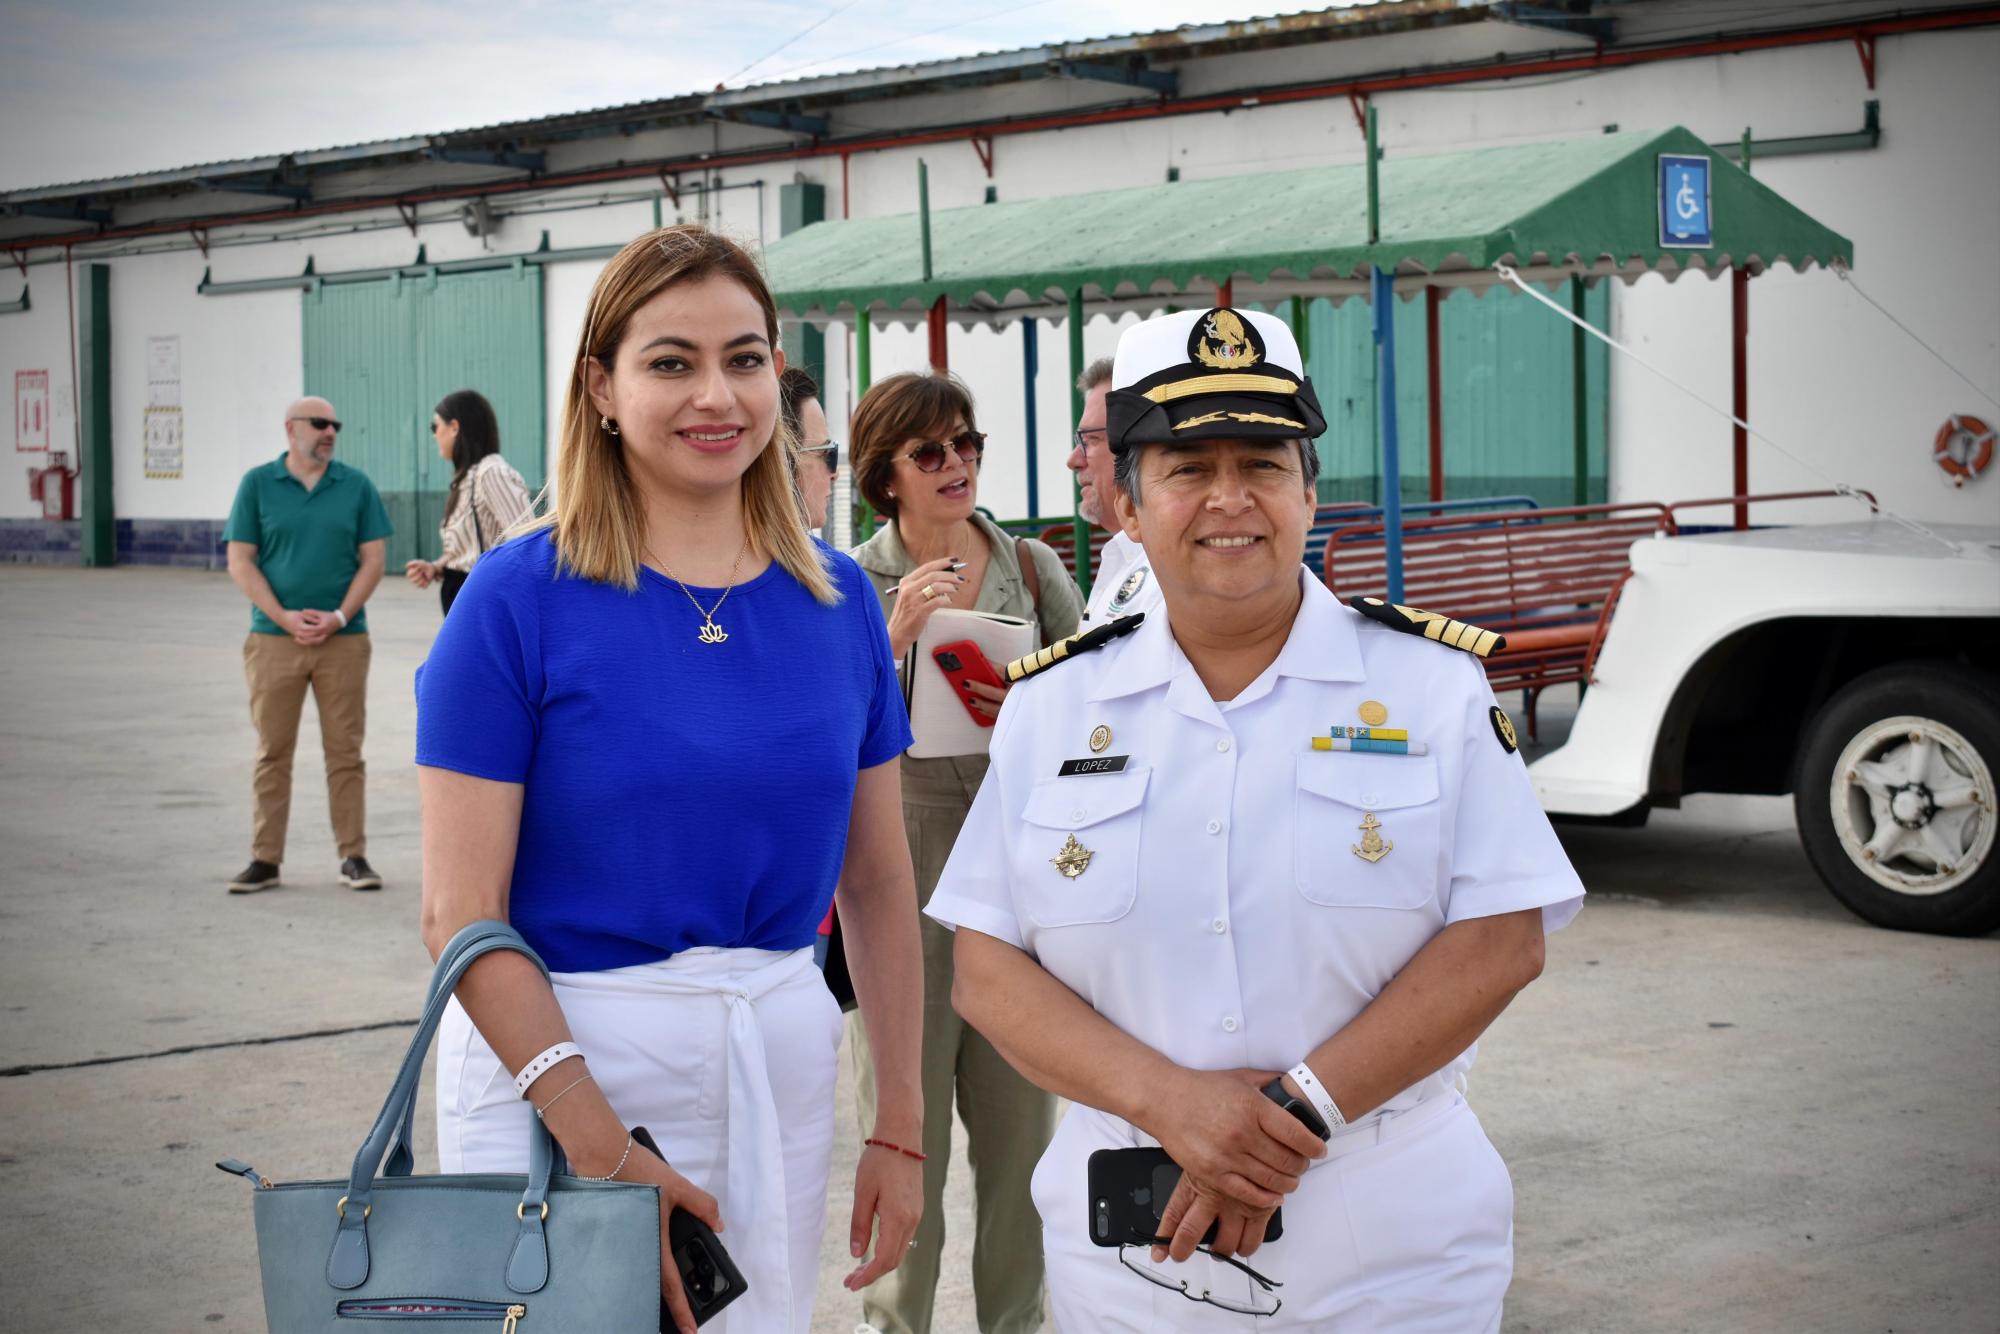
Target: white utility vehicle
1853,665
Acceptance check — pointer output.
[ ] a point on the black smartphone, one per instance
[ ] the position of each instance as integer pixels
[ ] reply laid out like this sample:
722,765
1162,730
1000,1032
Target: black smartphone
1129,1190
709,1277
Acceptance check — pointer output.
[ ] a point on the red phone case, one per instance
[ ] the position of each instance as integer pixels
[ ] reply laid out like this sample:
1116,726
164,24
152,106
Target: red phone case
972,666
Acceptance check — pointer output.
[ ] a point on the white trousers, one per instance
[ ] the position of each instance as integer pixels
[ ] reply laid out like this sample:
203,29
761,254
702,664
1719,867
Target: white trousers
728,1057
1405,1227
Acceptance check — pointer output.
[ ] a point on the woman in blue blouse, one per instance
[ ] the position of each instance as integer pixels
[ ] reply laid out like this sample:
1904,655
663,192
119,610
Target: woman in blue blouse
654,733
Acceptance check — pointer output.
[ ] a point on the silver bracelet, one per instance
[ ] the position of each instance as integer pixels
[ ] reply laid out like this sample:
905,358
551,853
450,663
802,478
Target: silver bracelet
612,1175
542,1112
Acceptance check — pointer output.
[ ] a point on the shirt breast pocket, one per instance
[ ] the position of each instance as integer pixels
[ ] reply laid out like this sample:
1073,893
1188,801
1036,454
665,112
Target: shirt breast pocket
1365,833
1077,856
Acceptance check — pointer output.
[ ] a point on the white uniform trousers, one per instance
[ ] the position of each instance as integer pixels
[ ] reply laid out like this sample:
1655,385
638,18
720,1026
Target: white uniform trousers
1405,1227
728,1057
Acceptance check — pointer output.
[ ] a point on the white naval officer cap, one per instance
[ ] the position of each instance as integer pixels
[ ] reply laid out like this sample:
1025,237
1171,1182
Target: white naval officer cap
1220,373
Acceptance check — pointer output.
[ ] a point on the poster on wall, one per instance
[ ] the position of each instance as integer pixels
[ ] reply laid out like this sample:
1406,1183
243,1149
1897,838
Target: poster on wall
31,411
163,437
163,443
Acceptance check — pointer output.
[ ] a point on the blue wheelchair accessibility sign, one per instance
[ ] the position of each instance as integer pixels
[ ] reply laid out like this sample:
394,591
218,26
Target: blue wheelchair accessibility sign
1685,217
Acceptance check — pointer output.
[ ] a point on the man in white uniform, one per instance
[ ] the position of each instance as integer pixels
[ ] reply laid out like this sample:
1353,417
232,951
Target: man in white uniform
1256,875
1121,583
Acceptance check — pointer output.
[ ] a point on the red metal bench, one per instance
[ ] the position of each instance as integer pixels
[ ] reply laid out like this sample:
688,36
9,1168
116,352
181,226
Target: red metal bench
1061,538
1545,578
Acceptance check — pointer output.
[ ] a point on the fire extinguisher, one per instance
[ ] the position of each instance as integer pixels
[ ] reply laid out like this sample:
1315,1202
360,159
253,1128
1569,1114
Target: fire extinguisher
55,487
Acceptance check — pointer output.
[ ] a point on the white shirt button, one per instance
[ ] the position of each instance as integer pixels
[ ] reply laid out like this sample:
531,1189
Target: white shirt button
1229,1023
1219,926
1369,799
1076,814
1215,826
1222,744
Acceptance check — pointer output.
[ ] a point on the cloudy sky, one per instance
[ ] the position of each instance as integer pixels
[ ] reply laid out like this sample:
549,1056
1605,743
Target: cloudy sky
95,88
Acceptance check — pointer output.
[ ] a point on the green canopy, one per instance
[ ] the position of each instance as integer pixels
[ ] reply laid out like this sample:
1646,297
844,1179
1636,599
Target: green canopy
1549,209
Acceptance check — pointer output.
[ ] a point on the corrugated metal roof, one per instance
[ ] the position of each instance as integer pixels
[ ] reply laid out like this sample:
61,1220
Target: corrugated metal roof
1181,43
1589,201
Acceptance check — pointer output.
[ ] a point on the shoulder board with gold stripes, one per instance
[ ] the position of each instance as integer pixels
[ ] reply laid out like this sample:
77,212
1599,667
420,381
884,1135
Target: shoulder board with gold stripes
1414,621
1042,659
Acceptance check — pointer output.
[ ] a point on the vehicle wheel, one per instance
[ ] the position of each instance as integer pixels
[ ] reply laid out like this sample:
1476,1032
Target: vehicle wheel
1895,800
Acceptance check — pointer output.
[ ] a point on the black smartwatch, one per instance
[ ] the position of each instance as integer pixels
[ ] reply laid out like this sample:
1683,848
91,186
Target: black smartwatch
1298,1107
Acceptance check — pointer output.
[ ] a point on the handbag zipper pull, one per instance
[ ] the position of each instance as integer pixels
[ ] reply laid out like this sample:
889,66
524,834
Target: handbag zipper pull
513,1320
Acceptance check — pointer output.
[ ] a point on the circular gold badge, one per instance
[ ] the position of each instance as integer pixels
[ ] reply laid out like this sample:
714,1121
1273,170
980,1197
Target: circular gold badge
1374,712
1100,737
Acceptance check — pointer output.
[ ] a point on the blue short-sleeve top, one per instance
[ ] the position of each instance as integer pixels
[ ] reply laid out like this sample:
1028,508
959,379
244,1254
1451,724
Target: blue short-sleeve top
677,793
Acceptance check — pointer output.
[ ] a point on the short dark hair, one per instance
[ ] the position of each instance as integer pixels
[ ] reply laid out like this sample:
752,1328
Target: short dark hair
894,410
1125,467
795,386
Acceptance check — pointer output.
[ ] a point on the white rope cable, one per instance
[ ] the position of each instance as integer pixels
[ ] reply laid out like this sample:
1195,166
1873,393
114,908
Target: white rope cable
1847,276
1507,272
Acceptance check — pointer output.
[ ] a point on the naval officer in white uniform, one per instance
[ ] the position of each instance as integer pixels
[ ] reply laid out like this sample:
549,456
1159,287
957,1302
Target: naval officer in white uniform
1259,872
1121,582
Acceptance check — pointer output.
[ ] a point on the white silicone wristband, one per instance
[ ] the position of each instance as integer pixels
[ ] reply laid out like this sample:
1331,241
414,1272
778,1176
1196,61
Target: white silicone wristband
343,617
1316,1094
542,1064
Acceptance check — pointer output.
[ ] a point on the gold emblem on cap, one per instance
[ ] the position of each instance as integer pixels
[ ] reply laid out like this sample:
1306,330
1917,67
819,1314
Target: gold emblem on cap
1100,737
1231,349
1372,848
1374,712
1074,859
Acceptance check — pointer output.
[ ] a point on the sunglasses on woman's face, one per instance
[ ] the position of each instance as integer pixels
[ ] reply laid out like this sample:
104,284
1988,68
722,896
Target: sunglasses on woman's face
930,455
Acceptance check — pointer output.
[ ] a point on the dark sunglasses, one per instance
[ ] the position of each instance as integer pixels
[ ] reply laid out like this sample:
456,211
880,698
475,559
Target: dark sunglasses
321,423
970,446
829,454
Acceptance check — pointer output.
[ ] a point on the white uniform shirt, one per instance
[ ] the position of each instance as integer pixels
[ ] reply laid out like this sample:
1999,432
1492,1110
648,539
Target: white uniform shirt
1122,584
1224,918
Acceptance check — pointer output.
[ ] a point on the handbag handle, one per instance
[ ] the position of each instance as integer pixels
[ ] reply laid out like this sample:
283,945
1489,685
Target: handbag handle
347,1265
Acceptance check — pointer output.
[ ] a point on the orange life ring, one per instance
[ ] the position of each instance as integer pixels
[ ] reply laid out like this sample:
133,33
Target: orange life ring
1976,440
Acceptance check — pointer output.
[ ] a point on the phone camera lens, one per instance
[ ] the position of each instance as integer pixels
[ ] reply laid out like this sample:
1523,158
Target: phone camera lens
950,662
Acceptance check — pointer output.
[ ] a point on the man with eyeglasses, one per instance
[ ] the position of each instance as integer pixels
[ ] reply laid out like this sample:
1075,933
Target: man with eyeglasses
819,457
307,540
1121,583
1247,885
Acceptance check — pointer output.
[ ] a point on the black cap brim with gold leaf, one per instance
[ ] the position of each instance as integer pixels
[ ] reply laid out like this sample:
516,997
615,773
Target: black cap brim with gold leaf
1219,374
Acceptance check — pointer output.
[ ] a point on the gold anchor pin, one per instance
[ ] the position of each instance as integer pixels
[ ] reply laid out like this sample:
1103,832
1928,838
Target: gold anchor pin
1074,859
1372,848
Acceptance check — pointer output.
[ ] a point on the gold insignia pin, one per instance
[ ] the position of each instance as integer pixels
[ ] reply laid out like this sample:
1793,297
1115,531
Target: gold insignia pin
1074,859
1100,738
1374,712
1372,847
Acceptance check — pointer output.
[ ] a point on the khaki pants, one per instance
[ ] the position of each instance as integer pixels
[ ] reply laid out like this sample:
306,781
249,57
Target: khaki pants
1008,1121
279,669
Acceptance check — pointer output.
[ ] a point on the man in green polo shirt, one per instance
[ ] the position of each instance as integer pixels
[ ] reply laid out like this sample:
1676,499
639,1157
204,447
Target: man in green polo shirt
307,539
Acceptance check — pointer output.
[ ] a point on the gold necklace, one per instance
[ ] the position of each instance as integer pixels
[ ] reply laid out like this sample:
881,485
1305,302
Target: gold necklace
710,632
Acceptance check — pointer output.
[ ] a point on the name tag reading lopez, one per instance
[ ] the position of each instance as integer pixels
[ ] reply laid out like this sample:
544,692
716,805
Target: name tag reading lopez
1096,764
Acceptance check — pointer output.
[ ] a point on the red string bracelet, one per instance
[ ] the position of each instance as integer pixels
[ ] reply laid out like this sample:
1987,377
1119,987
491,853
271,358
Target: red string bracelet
885,1144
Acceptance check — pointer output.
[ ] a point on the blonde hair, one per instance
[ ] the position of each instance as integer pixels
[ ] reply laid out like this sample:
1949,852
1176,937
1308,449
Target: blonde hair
599,526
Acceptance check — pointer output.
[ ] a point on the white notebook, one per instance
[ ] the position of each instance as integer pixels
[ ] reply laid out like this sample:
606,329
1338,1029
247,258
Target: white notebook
938,719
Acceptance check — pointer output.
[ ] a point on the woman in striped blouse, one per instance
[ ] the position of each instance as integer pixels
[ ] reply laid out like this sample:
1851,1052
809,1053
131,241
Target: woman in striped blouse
487,497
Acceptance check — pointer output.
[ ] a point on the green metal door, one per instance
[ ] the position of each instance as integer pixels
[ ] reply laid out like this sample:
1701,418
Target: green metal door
1509,418
386,352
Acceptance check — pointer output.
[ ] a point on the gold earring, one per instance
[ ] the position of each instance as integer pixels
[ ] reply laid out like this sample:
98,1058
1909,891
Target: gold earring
607,425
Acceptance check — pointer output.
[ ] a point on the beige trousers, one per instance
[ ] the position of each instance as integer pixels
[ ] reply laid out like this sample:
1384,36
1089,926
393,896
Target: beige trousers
279,670
1008,1121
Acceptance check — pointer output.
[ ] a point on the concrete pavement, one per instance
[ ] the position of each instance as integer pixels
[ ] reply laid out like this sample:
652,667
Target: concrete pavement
1728,1105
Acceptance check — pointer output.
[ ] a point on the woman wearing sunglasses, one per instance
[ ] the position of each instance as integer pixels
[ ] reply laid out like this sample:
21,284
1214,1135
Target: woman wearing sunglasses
916,454
600,727
486,498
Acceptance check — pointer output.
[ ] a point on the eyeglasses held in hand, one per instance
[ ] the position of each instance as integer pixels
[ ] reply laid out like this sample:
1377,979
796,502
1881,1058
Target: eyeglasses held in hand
930,455
829,454
321,423
1249,1306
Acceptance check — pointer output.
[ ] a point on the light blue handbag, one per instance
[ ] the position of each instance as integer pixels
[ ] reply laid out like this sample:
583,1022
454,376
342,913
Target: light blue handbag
541,1252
